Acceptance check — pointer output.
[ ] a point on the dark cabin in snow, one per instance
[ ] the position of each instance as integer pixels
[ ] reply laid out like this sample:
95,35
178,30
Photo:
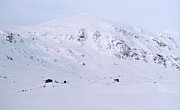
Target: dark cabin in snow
116,80
48,81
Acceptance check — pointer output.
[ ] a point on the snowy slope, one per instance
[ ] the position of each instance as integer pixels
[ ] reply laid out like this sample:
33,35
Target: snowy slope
88,53
120,41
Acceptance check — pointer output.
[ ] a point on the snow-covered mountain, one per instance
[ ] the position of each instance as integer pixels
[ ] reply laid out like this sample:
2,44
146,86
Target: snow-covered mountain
87,51
121,42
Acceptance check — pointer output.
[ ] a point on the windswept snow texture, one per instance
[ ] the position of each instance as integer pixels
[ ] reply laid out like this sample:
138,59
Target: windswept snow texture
86,63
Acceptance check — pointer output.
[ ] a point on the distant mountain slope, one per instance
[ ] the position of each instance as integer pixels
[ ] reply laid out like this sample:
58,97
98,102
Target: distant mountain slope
86,46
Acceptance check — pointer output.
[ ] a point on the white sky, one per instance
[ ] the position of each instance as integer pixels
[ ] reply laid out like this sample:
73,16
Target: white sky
151,14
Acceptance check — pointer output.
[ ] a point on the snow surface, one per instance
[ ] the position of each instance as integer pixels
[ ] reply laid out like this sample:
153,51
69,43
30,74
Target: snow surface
88,53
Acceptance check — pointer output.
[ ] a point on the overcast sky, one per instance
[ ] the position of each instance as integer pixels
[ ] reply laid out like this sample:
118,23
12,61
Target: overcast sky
151,14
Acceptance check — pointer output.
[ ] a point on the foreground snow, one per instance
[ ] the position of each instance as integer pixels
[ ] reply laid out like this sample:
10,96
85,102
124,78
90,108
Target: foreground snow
88,98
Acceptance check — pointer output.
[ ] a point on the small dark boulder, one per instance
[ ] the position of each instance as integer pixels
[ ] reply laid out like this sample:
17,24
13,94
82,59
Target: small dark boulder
64,82
9,58
116,80
83,64
48,81
56,81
